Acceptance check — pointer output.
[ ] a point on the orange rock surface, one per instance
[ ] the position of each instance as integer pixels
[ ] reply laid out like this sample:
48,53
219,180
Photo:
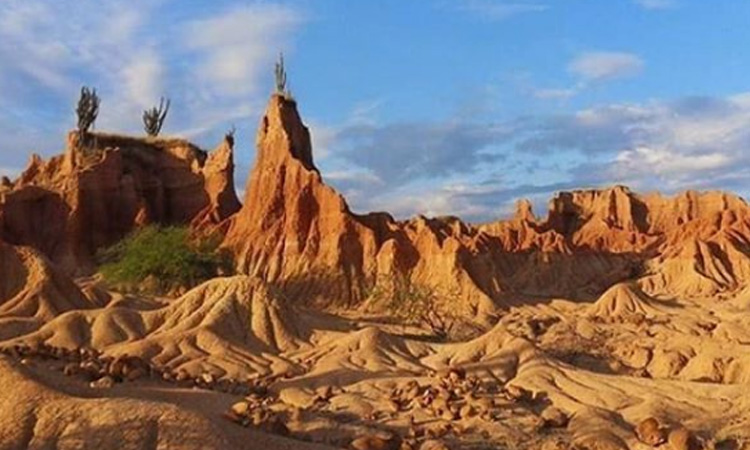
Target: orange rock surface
296,231
94,194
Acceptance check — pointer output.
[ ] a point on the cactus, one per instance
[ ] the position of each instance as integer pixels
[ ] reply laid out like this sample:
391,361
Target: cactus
87,110
280,73
229,136
153,119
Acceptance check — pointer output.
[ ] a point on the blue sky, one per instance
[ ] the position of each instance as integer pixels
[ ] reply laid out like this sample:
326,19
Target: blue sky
434,107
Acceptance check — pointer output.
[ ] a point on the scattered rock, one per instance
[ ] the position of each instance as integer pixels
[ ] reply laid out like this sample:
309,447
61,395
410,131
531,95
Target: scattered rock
554,417
104,382
71,369
240,408
208,378
373,443
681,439
650,432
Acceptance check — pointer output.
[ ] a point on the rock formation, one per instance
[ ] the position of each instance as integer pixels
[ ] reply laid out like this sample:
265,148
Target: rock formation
94,194
33,291
297,232
294,228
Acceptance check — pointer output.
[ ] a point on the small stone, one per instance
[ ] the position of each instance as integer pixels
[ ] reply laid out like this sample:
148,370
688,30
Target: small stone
240,408
681,439
208,378
104,382
650,432
372,443
71,369
135,374
467,412
456,374
554,417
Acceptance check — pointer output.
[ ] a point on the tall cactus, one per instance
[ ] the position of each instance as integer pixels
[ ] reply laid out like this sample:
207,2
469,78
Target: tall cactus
280,73
87,110
153,119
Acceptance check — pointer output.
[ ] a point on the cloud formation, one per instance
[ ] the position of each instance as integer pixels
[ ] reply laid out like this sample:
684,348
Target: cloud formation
600,66
593,68
478,170
212,68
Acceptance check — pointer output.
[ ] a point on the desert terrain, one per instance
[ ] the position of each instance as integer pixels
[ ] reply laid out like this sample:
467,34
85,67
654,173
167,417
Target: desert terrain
617,321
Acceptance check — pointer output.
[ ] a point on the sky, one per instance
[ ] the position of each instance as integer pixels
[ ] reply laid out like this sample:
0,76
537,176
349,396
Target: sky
431,107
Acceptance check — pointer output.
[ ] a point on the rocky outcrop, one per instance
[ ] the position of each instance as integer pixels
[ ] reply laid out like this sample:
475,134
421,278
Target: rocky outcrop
293,228
94,194
218,174
298,233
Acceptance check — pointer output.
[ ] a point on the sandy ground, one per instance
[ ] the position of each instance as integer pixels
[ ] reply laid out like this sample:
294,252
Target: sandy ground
230,366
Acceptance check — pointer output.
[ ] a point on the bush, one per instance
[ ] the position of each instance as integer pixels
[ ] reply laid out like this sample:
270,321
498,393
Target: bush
417,305
163,259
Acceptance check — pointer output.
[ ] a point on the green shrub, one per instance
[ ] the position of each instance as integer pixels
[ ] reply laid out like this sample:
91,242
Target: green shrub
163,259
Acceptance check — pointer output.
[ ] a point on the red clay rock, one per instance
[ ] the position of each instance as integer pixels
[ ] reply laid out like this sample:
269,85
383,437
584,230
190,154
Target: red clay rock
94,194
298,233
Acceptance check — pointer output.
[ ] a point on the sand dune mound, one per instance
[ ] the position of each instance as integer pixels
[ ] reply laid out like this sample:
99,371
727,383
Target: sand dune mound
225,325
369,349
33,291
702,268
623,300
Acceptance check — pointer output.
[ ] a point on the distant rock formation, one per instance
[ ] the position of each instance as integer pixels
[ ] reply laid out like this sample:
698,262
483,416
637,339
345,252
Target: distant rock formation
298,233
94,194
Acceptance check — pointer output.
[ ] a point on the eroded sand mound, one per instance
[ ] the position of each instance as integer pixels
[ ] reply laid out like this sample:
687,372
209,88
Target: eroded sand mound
33,291
227,325
623,300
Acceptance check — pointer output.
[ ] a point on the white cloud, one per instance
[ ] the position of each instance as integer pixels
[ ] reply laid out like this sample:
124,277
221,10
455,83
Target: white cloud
666,162
694,142
656,4
143,78
135,52
590,68
599,66
237,46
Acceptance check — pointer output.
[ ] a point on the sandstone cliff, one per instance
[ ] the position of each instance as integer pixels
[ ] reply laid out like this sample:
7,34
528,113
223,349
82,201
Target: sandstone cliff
94,194
298,233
